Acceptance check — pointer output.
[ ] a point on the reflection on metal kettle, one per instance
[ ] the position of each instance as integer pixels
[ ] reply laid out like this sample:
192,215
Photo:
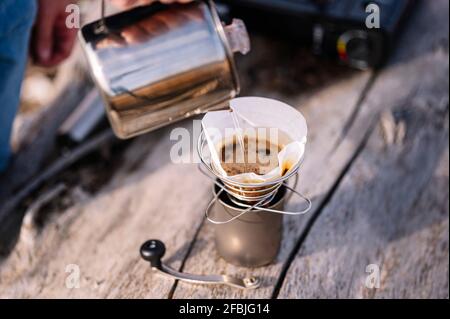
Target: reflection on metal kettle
162,63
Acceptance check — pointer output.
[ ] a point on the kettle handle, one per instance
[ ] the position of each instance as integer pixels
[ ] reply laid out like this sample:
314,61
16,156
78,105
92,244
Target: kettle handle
102,28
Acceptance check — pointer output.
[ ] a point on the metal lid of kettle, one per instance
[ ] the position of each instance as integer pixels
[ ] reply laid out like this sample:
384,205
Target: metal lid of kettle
158,64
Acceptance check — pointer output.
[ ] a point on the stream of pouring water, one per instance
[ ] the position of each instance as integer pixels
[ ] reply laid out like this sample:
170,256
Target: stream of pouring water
238,130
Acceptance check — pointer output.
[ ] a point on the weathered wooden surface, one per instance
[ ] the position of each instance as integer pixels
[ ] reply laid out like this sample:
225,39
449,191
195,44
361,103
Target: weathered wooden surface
393,203
391,208
19,176
379,186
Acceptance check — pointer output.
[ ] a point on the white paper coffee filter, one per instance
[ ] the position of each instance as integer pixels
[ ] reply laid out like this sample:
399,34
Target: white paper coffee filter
257,112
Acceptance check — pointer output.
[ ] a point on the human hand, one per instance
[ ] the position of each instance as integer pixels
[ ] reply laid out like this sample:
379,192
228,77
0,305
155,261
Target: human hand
133,3
154,25
52,42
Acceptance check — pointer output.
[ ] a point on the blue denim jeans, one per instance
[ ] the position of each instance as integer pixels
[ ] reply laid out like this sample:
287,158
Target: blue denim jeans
16,20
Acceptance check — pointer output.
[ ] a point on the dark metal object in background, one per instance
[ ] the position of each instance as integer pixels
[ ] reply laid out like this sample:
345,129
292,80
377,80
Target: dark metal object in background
333,28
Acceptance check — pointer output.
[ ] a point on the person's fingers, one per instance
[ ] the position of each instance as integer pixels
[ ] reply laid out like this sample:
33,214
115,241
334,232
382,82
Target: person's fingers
171,19
64,41
158,23
173,1
134,34
152,26
132,3
125,3
110,42
145,2
43,43
192,13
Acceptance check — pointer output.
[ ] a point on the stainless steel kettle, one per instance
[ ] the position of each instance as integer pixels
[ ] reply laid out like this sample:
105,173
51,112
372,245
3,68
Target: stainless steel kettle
158,64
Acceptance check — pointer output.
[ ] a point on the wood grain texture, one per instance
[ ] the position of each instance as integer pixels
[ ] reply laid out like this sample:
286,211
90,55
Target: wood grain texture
37,147
391,209
102,235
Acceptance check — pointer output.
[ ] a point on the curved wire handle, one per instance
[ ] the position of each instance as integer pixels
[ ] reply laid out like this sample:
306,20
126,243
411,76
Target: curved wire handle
102,28
211,203
255,206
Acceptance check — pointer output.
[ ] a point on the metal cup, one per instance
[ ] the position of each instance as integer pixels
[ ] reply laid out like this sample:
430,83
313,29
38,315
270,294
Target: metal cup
253,239
158,64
